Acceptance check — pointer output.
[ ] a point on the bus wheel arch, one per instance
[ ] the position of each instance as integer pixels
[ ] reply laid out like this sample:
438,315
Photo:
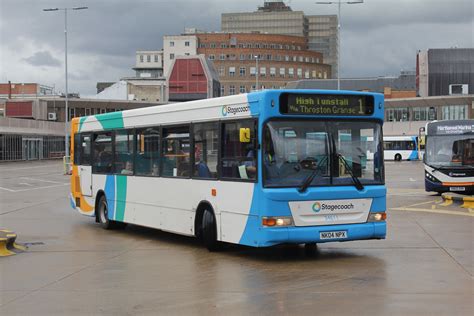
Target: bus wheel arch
398,157
99,194
203,205
206,224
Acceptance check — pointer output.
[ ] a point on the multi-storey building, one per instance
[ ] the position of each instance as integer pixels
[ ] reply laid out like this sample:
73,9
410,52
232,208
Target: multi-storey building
173,46
448,71
277,18
243,59
149,64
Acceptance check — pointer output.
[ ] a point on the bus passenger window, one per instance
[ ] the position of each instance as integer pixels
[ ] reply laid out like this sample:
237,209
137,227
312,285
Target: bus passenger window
176,162
102,153
205,150
77,149
239,159
123,152
147,153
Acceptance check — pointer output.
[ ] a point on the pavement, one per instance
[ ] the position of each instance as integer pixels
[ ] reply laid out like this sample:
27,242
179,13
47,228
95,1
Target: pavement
73,267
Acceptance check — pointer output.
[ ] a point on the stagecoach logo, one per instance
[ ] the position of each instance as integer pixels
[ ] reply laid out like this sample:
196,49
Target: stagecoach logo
316,207
457,174
332,207
234,109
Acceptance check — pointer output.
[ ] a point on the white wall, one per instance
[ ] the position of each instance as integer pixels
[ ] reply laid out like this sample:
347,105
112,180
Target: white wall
176,45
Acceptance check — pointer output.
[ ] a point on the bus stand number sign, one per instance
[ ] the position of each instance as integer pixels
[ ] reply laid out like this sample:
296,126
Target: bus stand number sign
326,104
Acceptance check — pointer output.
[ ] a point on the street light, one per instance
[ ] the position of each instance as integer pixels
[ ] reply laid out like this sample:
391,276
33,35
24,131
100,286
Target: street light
339,34
256,72
66,140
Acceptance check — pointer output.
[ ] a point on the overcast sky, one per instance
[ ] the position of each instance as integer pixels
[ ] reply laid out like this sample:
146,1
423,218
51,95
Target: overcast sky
379,37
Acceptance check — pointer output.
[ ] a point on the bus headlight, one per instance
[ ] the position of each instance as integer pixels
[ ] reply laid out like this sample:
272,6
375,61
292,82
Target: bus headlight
430,177
377,217
277,221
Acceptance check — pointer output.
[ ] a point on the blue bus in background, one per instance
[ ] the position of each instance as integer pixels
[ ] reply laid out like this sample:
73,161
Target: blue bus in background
258,169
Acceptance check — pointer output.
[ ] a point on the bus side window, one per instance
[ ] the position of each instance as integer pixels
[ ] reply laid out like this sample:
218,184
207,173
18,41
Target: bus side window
147,153
77,149
238,159
205,150
85,150
176,149
103,156
123,162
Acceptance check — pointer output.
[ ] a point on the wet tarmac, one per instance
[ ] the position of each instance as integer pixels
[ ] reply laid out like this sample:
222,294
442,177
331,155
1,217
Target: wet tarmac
73,267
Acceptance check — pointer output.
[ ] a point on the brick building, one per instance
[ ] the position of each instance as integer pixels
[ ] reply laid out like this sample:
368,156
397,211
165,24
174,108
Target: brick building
280,58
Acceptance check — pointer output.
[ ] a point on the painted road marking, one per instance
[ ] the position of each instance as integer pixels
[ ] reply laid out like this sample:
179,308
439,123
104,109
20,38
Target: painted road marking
432,211
37,188
34,179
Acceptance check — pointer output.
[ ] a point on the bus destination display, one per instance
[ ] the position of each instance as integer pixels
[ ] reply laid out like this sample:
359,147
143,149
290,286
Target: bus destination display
326,104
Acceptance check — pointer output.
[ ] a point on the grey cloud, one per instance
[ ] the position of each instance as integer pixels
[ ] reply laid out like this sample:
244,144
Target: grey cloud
43,58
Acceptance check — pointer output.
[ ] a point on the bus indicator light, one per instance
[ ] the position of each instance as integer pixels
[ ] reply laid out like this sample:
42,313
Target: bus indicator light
213,192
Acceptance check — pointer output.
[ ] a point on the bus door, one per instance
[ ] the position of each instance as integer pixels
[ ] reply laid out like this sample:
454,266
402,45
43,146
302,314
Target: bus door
85,168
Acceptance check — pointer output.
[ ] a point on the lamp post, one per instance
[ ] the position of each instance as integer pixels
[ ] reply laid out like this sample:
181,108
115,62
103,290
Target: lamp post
339,34
256,72
66,139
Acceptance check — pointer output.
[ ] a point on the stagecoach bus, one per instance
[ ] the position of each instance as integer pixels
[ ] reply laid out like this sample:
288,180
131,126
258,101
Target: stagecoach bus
257,169
400,148
449,156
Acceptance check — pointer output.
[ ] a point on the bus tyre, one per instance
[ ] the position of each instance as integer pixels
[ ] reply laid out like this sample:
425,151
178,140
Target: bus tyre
209,231
398,157
103,216
310,249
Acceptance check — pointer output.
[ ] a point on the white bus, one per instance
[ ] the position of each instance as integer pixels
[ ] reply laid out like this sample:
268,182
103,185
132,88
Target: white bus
400,148
257,169
449,156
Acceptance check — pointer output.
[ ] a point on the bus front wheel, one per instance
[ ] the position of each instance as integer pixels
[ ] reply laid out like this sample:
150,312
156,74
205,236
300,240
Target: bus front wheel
104,220
209,230
398,157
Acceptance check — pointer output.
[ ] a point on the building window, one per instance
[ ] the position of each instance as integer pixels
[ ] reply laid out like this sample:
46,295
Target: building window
424,113
272,71
242,71
325,75
171,44
141,58
156,58
454,112
306,74
171,56
202,45
254,87
186,54
231,90
212,57
186,43
213,45
397,114
295,58
221,71
287,58
222,57
306,59
300,59
222,90
300,73
317,60
242,89
148,58
263,71
291,72
253,71
242,56
269,57
231,71
223,45
278,57
320,75
282,72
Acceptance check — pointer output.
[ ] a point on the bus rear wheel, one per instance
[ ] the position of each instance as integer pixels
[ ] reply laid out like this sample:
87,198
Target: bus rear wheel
209,231
398,157
104,220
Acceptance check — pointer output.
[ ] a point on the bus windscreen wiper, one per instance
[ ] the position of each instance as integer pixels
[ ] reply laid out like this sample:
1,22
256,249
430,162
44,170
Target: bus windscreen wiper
307,181
356,180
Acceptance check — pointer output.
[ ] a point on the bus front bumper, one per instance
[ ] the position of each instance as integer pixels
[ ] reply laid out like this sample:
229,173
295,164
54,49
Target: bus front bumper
309,234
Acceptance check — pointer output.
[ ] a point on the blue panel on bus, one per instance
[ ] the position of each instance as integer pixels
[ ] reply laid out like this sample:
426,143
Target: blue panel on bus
110,195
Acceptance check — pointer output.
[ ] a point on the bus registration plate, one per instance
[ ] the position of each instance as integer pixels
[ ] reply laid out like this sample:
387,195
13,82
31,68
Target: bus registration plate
457,189
333,235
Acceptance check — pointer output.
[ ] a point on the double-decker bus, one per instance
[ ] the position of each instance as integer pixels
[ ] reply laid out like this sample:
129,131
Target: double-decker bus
257,169
449,156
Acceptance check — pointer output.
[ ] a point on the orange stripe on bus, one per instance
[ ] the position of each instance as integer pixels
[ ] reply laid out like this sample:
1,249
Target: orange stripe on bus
457,183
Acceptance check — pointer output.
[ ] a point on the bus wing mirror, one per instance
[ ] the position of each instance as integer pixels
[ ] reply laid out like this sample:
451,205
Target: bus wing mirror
244,135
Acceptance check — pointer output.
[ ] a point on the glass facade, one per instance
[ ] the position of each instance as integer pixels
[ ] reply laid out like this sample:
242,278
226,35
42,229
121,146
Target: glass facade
30,147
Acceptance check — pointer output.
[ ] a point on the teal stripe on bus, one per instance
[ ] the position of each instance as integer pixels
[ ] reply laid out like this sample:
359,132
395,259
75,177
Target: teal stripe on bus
111,120
121,198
